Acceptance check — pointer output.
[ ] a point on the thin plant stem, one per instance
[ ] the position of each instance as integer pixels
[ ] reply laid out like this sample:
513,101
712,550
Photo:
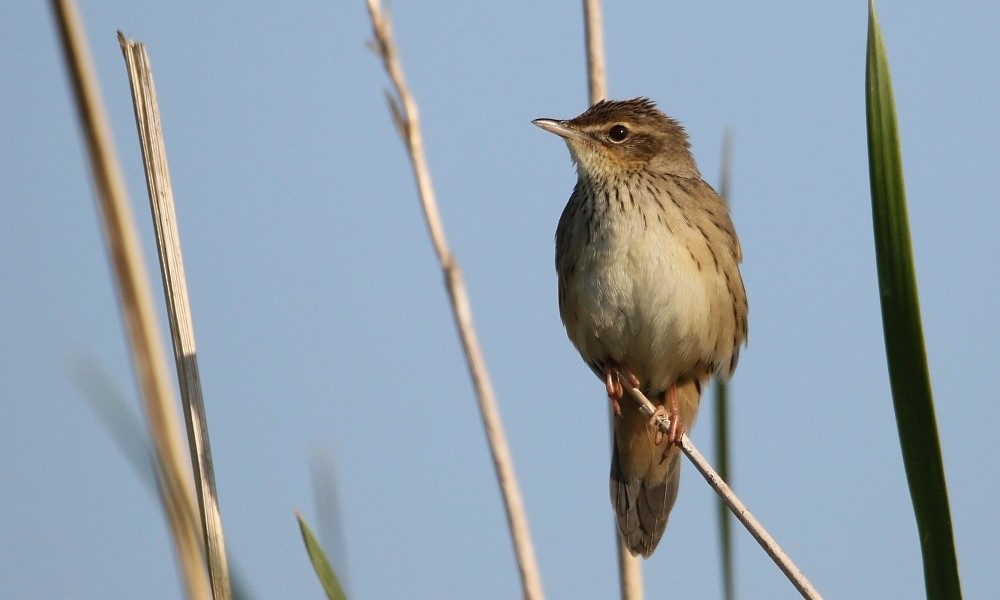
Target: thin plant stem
161,201
135,298
593,25
405,116
629,567
722,417
757,530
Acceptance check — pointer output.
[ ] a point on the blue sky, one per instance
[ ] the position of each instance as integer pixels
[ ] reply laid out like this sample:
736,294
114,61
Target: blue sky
322,323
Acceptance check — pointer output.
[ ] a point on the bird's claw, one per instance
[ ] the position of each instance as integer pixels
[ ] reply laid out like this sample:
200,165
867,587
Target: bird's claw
675,429
613,375
614,387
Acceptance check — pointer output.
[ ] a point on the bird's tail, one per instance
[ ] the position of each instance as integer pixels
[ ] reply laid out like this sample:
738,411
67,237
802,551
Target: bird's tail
644,487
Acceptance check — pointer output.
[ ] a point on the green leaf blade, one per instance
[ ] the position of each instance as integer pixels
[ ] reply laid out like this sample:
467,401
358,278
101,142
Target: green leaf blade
726,552
325,573
908,371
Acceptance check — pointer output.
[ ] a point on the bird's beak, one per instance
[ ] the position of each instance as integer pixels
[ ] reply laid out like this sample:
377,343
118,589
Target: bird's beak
562,129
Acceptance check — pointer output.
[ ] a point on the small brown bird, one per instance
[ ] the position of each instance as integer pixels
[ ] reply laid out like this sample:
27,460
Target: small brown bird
649,290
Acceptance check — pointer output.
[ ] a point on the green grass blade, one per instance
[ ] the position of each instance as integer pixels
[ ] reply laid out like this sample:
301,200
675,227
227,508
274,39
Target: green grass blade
327,577
722,464
329,517
904,343
722,424
128,433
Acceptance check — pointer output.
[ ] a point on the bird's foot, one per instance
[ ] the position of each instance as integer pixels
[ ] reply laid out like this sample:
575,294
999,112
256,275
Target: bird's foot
613,374
676,429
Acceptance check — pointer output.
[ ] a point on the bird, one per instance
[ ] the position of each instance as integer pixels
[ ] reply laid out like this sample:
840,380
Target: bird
650,292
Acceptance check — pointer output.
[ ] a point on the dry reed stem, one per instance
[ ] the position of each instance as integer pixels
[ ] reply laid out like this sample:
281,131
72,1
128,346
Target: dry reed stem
161,200
629,567
758,532
405,116
593,25
134,297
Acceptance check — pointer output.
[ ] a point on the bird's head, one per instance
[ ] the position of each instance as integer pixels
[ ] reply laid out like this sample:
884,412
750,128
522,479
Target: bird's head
616,137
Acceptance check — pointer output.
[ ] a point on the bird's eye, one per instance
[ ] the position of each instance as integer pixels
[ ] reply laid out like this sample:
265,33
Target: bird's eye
618,133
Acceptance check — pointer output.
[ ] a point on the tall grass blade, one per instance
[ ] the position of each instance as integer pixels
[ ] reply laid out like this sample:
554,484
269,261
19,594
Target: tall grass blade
722,420
325,573
127,432
904,342
329,514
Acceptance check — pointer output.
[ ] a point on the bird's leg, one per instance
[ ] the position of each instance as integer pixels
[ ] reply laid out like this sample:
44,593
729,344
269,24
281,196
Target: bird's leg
614,387
673,414
612,382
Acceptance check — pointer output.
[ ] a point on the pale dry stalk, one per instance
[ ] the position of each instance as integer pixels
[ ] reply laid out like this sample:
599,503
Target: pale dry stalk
629,567
134,297
593,27
757,530
161,200
405,116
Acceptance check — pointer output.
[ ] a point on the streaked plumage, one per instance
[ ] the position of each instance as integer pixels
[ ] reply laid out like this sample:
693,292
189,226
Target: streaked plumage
648,266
